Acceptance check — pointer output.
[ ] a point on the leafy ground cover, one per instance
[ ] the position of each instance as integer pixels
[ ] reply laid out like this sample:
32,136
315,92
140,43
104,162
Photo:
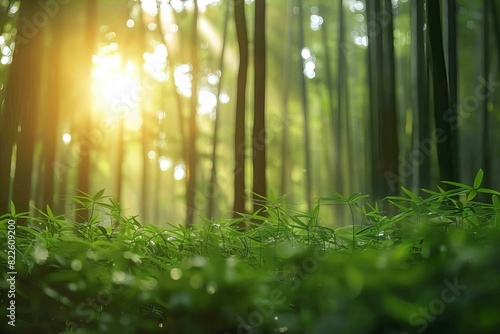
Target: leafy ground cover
433,266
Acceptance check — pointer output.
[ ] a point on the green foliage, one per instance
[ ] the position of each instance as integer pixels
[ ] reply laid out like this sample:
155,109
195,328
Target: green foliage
288,273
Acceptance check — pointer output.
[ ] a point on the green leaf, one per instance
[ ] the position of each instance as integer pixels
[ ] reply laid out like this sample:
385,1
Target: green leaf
103,230
298,222
488,191
315,212
471,195
50,213
479,178
459,185
430,192
12,209
98,196
410,194
355,197
335,197
31,231
441,190
366,229
496,202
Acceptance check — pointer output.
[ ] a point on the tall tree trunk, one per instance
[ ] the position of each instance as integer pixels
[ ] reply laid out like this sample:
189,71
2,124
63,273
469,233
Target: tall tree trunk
285,145
334,157
21,107
214,186
84,123
51,133
305,111
384,153
178,101
485,137
443,112
388,125
259,126
374,43
239,135
374,69
120,153
420,100
341,181
451,61
496,25
146,126
191,165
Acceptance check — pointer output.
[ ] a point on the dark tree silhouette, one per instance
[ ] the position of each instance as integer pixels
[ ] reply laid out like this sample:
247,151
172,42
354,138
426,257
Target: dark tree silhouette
385,180
444,114
259,126
420,97
84,122
239,135
21,111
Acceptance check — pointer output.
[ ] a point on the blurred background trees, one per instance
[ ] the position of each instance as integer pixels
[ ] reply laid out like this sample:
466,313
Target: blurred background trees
183,108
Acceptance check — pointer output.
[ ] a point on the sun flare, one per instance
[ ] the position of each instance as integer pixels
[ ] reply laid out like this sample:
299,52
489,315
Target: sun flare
116,89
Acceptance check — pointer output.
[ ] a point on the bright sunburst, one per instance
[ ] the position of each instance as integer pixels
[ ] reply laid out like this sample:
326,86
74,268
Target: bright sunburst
116,88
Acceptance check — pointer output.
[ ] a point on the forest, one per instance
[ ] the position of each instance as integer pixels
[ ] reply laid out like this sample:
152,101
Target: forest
249,166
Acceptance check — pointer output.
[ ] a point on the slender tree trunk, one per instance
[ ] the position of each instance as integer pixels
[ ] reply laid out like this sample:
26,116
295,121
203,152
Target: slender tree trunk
145,129
305,111
341,181
51,133
420,100
120,153
239,136
191,166
443,112
485,136
84,124
496,24
451,61
178,100
22,108
334,155
374,68
213,187
285,145
388,125
259,126
384,152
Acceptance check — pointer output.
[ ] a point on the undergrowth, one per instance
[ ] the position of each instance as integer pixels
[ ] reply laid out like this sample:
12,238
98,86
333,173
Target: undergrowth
288,272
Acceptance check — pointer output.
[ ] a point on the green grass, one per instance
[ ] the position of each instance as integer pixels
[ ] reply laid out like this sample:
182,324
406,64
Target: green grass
433,266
